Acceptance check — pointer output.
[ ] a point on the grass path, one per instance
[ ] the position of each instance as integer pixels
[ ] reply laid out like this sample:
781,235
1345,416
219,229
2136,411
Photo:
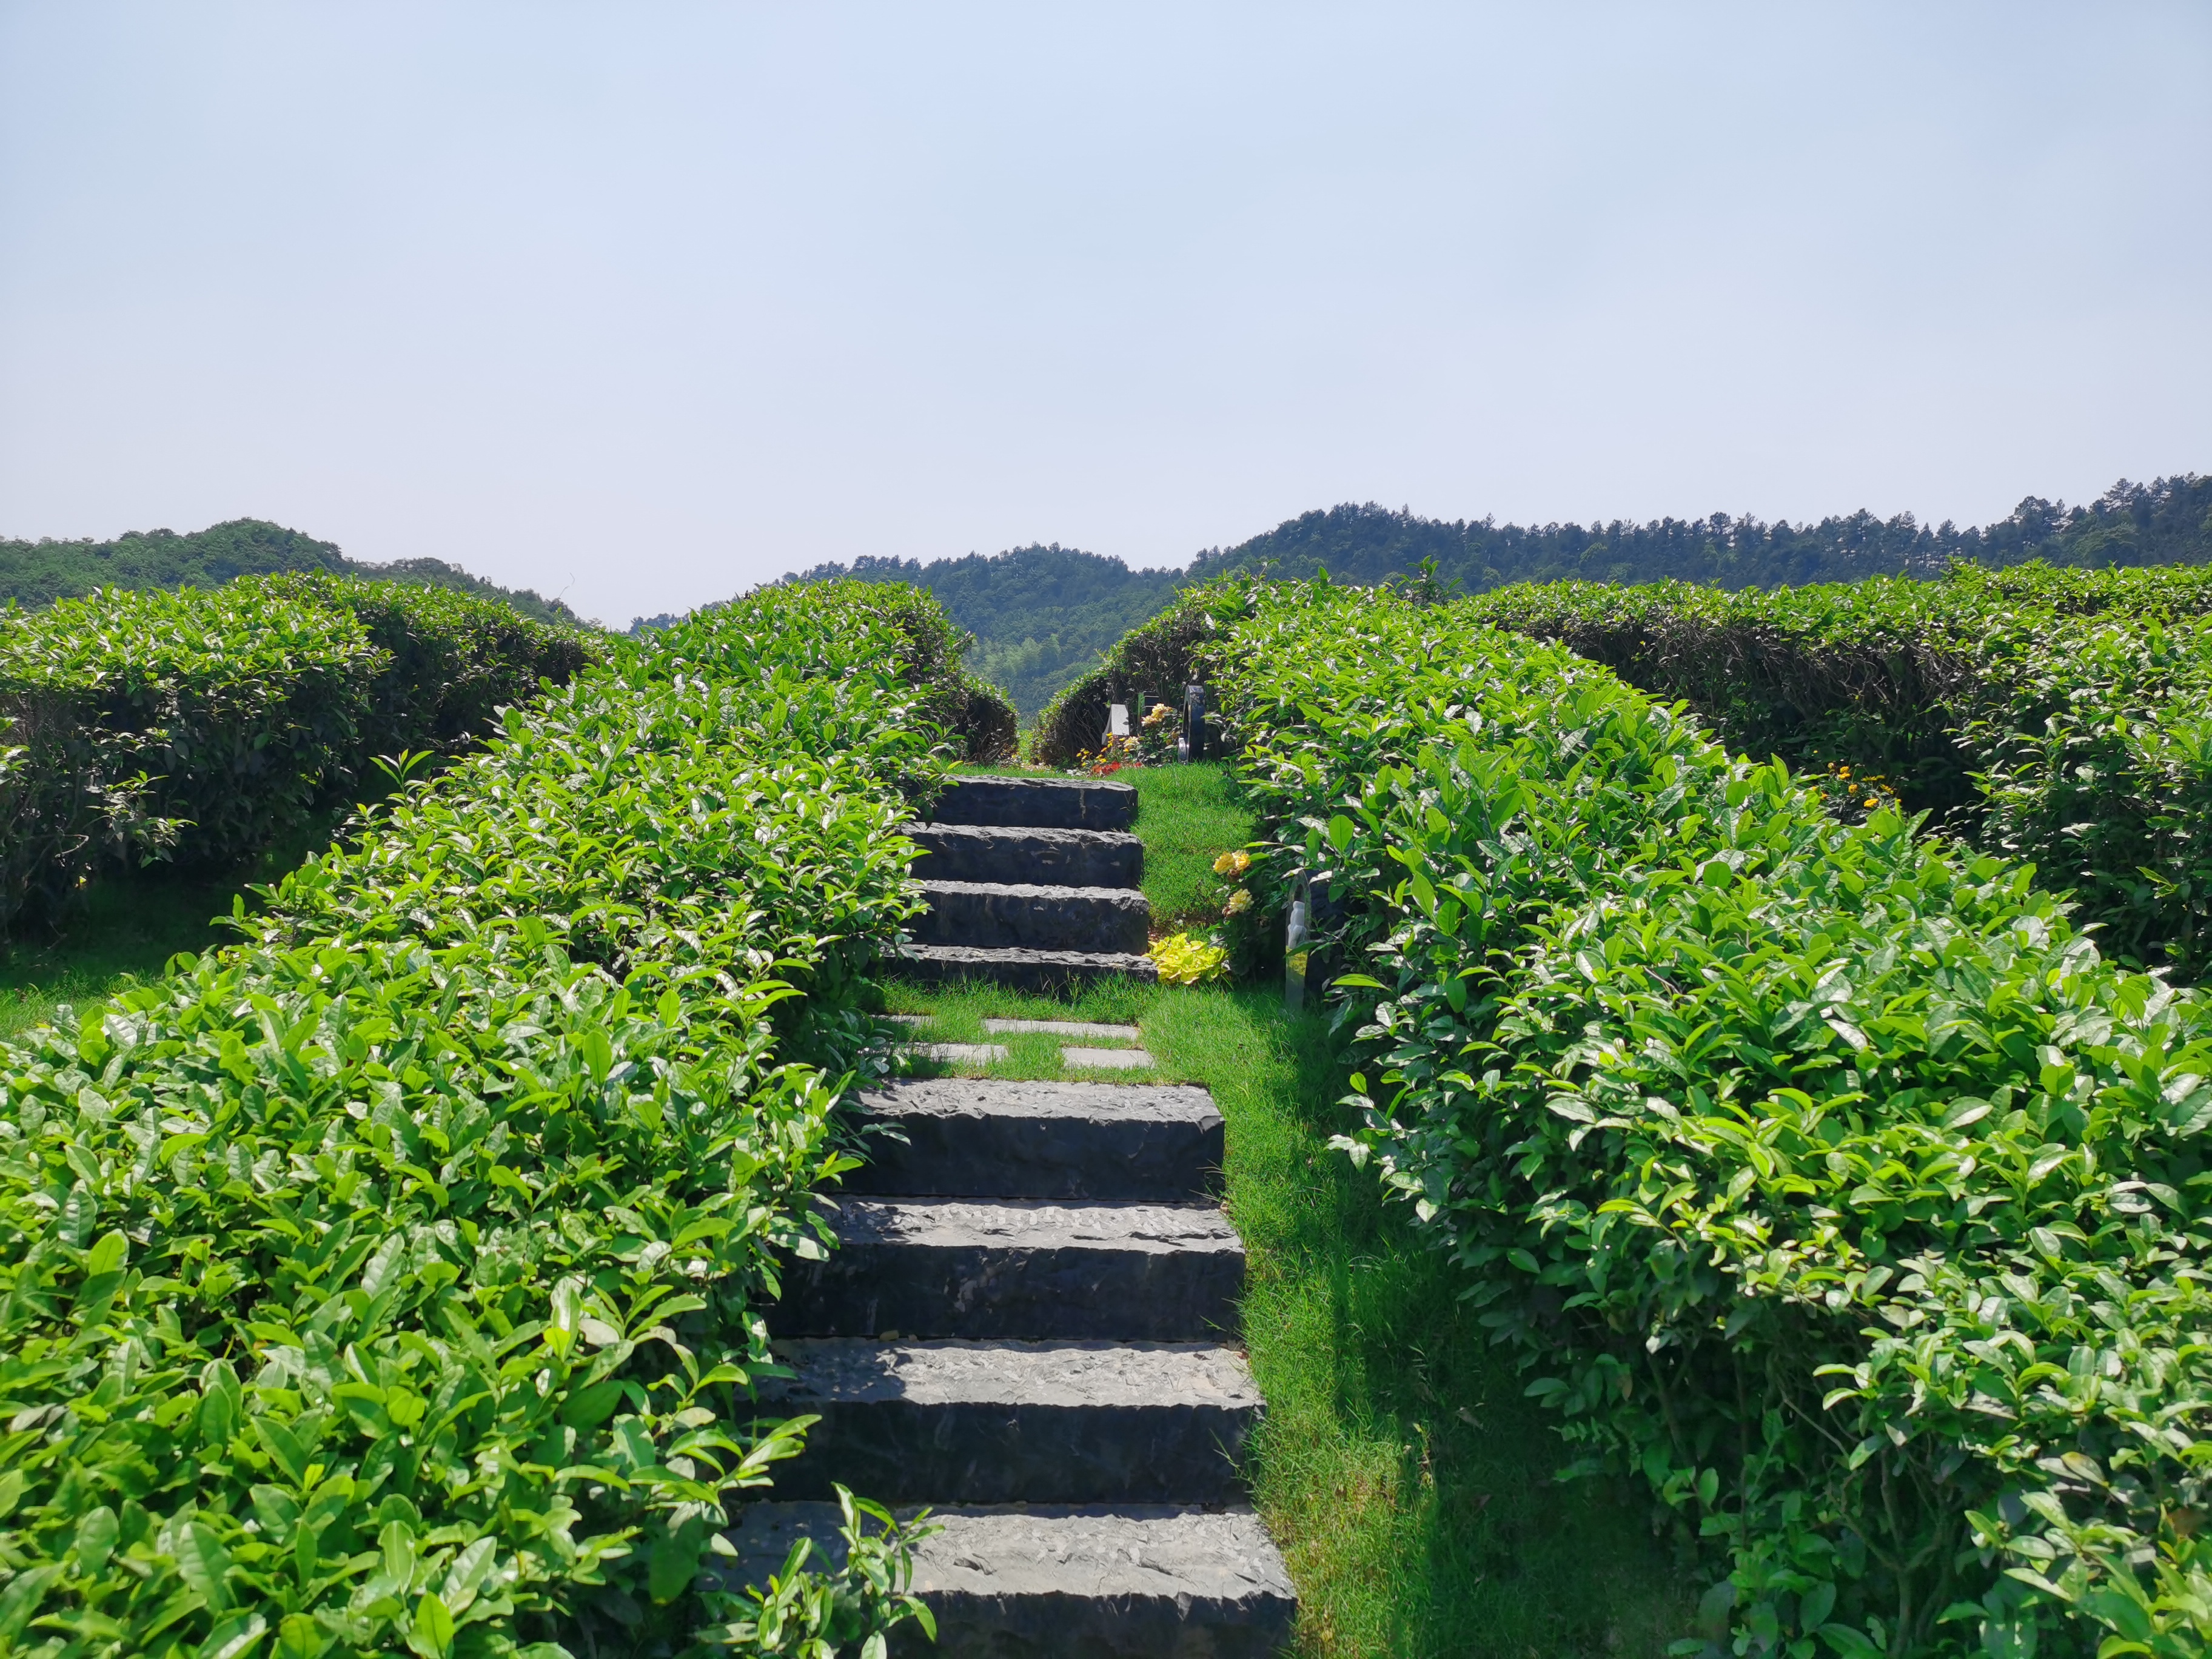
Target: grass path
128,929
1400,1468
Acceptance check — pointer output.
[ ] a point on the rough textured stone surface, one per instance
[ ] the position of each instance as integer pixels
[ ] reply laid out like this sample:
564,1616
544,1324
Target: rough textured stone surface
1017,1422
1106,1060
1140,1273
1039,803
1001,915
1024,970
1066,858
1070,1582
1059,1028
969,1137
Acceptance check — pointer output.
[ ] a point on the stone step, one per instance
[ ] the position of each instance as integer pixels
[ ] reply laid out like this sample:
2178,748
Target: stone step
1040,971
1039,803
1067,1582
974,1138
1017,1422
1107,1060
1063,1028
1138,1273
993,915
1066,858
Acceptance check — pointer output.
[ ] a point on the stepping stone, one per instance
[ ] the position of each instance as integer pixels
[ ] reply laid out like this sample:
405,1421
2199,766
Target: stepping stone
1106,1060
959,1053
910,1021
1039,803
1025,915
1039,971
1017,1422
1118,1582
1069,858
1139,1273
1059,1028
983,1137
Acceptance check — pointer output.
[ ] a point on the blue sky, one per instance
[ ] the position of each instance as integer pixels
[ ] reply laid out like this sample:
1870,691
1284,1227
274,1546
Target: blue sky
643,303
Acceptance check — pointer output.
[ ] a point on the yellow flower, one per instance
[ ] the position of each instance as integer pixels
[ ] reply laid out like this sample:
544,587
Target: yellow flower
1187,959
1232,864
1239,903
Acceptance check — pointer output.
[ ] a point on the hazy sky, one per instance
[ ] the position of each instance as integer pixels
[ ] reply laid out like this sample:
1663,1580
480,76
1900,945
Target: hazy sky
641,303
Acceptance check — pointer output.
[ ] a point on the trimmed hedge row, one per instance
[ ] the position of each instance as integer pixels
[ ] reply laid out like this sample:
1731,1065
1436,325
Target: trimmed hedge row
1822,1175
389,1280
931,656
2059,716
204,725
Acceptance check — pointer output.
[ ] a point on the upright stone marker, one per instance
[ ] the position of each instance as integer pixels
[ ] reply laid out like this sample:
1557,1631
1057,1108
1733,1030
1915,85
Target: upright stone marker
1194,722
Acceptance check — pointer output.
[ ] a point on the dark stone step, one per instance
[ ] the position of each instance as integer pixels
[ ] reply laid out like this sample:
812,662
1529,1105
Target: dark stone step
1017,1422
1065,858
1045,802
981,1138
1019,915
1138,1273
1067,1582
1041,971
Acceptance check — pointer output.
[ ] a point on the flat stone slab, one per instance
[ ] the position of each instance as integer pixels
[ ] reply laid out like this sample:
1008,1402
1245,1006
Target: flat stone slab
910,1021
1043,803
1015,1422
1106,1060
1070,858
1041,971
1027,915
959,1053
1059,1028
1099,1582
984,1138
1138,1273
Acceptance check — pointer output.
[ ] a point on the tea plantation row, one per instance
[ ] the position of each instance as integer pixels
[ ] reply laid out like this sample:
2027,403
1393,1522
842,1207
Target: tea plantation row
203,726
389,1280
1825,1176
2059,716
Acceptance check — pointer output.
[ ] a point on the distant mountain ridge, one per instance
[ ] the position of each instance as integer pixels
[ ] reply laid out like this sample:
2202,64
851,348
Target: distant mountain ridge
1041,614
2165,522
35,573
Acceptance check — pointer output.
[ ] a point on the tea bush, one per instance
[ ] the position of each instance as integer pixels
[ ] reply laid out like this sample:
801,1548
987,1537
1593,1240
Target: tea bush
203,724
1824,1174
2058,716
389,1280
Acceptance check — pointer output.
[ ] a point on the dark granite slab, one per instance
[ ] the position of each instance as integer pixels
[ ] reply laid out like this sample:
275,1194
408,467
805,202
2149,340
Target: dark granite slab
983,1137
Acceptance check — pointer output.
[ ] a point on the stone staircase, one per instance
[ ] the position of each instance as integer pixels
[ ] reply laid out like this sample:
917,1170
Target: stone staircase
1033,883
1027,1324
1024,1326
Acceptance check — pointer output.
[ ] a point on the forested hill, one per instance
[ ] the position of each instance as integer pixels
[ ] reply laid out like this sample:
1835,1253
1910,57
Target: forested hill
1040,615
2163,523
34,574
